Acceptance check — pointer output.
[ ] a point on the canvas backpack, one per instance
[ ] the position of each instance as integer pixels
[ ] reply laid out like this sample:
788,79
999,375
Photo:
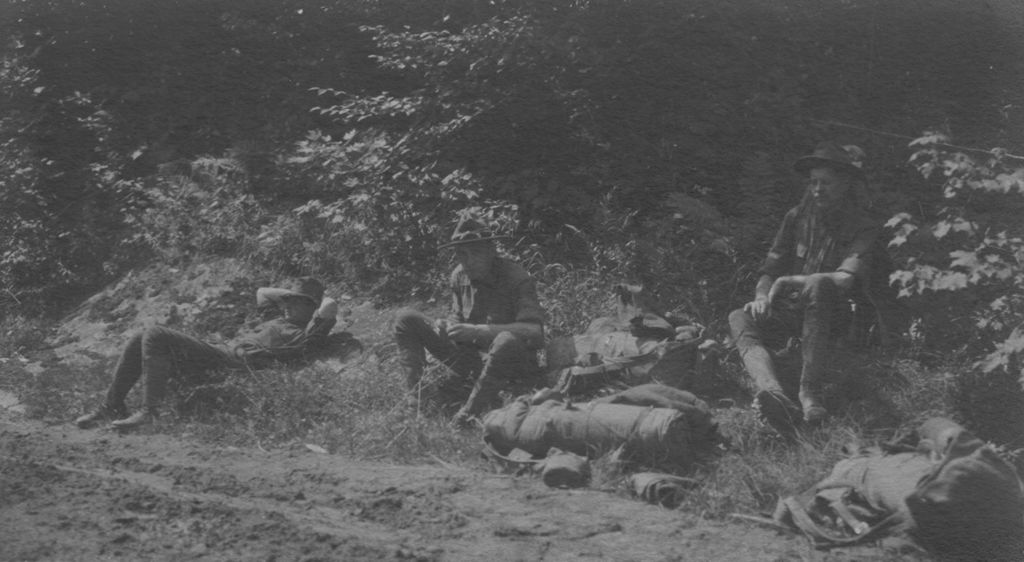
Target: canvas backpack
638,344
952,495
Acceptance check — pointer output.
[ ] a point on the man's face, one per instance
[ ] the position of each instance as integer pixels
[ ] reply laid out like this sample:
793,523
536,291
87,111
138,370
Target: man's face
828,188
475,258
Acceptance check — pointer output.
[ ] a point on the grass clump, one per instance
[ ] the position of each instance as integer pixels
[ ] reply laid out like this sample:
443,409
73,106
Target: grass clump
358,410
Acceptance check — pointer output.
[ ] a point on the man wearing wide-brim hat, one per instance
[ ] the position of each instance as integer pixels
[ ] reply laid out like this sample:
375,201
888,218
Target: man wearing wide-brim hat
494,331
822,257
157,353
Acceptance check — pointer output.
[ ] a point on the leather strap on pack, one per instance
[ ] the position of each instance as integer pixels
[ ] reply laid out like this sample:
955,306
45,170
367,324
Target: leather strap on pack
615,364
569,377
824,538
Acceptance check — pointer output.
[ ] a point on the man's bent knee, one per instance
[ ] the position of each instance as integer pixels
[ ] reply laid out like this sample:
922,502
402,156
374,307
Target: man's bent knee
739,321
157,335
820,289
744,329
507,344
410,319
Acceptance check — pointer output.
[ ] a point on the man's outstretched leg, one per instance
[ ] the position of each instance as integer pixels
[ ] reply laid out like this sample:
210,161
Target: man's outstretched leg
126,374
152,355
163,351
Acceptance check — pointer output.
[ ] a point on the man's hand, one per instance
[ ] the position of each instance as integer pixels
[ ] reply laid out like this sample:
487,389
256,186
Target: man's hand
469,333
758,308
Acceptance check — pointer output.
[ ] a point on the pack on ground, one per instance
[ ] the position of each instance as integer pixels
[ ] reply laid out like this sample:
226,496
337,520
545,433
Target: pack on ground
952,495
639,344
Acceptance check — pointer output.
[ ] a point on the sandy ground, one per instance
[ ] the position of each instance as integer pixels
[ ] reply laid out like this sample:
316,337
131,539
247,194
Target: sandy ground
68,494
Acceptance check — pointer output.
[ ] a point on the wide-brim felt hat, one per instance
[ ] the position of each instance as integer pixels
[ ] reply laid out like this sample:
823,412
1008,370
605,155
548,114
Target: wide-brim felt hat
303,287
847,158
471,230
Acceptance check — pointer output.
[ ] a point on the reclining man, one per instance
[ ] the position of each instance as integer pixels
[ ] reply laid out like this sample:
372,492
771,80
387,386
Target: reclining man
159,353
495,330
819,259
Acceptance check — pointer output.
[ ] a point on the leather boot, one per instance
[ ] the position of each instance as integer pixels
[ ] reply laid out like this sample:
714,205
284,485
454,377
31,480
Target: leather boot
104,414
778,412
813,406
142,416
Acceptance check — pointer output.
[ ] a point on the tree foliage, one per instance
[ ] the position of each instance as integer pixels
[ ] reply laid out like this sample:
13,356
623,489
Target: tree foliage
643,140
58,181
967,250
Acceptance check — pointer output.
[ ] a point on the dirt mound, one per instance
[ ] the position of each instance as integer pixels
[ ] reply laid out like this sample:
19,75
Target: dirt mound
211,299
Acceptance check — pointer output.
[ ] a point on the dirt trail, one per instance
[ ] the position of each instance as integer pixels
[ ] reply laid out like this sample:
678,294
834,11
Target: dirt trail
67,494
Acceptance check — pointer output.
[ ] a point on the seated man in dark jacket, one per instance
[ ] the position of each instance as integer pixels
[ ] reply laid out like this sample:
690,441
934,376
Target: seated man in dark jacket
158,353
495,329
820,258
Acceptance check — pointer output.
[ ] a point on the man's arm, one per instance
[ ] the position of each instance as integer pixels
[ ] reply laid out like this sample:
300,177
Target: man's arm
528,324
855,264
760,307
777,262
323,320
842,279
483,334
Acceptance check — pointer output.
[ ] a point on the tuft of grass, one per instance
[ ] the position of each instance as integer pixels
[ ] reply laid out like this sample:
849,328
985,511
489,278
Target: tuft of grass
55,391
358,410
760,467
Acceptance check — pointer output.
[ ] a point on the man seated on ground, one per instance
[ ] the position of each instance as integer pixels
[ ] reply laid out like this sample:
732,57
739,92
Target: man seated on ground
820,258
495,329
159,353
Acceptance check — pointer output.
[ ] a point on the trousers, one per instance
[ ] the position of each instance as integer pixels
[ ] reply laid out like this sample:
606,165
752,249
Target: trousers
506,364
156,354
814,316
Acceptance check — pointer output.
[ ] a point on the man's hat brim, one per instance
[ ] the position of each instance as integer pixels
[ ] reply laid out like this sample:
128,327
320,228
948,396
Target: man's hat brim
805,164
273,294
470,241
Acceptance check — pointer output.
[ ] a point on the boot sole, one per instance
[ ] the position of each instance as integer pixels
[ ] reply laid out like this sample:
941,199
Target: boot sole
776,414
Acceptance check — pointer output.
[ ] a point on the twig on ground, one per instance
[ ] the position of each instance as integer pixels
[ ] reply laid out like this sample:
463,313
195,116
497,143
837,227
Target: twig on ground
762,521
395,438
446,464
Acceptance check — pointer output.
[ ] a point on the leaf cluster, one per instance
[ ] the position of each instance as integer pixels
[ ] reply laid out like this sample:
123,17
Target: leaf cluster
969,250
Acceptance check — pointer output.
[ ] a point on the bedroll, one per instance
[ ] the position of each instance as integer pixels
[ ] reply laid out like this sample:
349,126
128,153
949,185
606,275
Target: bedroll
645,435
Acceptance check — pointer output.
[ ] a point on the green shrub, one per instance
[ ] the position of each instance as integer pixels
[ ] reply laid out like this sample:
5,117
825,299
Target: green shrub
964,256
197,208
